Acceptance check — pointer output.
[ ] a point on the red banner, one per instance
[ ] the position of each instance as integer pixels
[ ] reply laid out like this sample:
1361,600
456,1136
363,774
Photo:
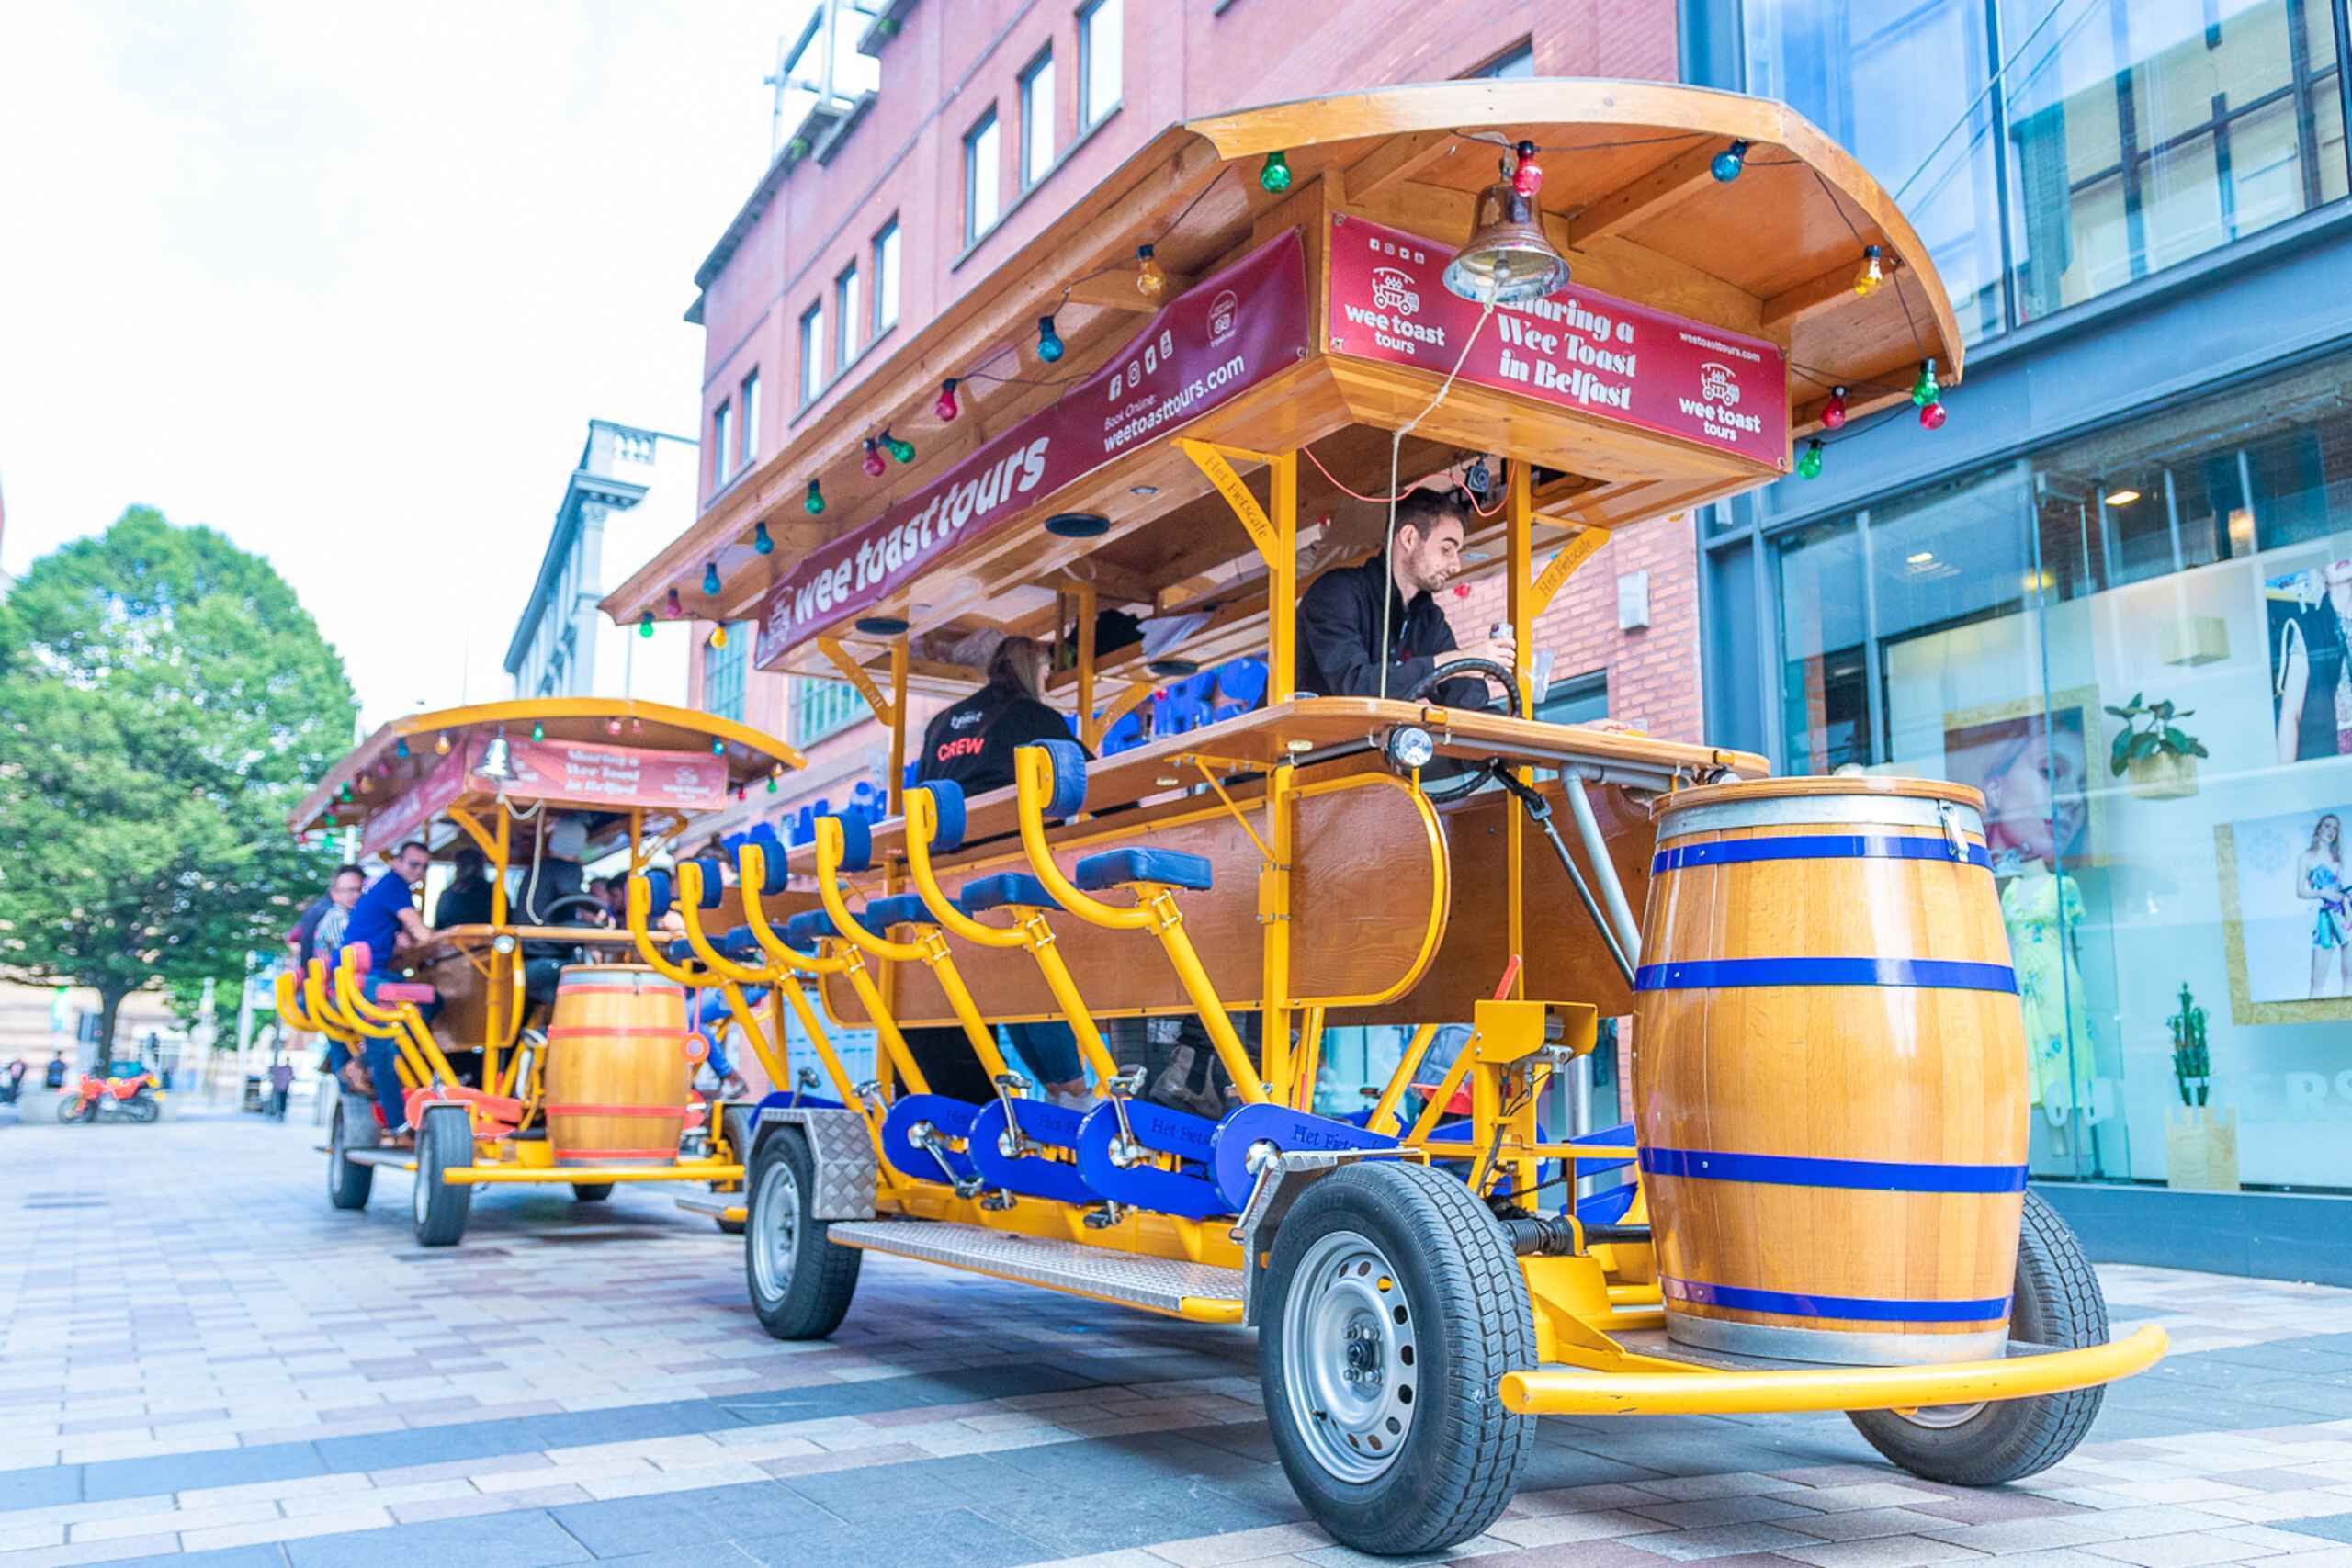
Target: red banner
1209,345
406,816
1580,348
576,773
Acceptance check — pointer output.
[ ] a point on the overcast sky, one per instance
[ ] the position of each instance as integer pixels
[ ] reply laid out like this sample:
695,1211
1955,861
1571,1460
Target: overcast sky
347,282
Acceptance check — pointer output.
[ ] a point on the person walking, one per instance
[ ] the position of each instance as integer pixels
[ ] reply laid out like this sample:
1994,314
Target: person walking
281,1085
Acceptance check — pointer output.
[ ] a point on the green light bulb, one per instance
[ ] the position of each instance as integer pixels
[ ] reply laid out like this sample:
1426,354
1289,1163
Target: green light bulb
1809,465
1275,177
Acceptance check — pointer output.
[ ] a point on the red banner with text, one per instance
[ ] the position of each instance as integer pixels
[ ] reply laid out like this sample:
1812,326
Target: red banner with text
1580,348
580,773
1213,342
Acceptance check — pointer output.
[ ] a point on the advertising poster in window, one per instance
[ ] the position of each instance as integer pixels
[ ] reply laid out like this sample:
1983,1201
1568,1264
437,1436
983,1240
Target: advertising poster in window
2308,615
2287,908
2034,771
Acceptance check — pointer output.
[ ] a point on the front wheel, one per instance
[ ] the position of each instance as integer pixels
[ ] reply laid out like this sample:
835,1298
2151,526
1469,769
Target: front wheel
801,1282
445,1142
71,1110
348,1181
142,1109
1394,1307
2058,1302
591,1191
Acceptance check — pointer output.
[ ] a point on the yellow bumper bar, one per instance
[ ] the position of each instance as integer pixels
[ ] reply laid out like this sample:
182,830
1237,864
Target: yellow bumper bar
558,1175
1707,1391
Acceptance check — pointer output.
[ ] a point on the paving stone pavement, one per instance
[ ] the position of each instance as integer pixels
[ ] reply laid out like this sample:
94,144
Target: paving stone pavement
201,1362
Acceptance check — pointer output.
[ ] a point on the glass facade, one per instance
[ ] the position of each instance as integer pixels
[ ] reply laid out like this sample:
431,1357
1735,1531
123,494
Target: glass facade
2011,628
823,707
2128,135
722,671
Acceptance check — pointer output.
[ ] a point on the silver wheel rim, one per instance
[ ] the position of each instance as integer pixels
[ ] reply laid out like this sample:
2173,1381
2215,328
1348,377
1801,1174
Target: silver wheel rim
1349,1375
775,1225
1942,1417
421,1195
334,1155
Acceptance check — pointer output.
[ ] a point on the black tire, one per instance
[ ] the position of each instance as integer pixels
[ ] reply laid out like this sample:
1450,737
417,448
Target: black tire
739,1122
71,1109
446,1142
144,1109
1464,1321
2058,1302
348,1182
591,1191
799,1282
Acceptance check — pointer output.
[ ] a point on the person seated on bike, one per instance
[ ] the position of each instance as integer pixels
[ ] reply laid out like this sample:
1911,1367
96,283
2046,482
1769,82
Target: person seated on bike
385,921
1340,618
557,895
466,901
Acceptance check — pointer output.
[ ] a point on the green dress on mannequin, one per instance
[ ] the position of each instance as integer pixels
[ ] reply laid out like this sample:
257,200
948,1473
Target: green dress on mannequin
2042,910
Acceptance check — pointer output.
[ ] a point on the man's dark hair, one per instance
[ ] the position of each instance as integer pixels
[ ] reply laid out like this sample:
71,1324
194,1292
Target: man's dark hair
347,870
468,862
419,845
1420,509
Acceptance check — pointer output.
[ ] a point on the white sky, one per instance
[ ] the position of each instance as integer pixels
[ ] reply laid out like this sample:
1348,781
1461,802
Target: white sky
347,282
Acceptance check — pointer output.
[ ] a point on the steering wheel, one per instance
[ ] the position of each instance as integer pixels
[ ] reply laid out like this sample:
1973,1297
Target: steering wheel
1460,777
548,916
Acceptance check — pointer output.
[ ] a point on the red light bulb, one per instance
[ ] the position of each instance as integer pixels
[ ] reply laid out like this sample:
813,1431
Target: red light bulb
872,463
945,407
1833,412
1528,177
1931,415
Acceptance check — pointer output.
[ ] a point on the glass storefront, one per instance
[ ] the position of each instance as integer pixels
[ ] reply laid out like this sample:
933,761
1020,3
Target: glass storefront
2177,908
2129,135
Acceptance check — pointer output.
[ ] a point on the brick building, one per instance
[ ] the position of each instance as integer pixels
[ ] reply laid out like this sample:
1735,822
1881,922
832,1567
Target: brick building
920,144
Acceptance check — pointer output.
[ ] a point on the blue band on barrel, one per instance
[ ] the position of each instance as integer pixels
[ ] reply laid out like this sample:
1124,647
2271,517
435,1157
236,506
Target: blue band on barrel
1855,1175
1862,1308
1821,846
1725,973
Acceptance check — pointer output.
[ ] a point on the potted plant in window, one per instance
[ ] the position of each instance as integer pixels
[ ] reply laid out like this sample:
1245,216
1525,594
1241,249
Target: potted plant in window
2153,751
2200,1140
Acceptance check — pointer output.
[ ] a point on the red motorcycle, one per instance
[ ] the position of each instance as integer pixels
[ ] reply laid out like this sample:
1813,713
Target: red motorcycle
111,1099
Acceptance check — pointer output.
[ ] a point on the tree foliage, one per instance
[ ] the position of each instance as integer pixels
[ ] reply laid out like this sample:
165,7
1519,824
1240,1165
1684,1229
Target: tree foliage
164,701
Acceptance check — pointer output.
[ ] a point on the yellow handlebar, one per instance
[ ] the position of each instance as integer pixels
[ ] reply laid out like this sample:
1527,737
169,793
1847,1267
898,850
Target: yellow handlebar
830,848
689,874
753,865
922,826
1033,772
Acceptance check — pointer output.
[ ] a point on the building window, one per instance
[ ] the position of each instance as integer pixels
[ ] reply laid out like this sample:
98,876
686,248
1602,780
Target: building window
722,673
722,444
1102,32
823,707
1517,61
747,405
812,355
1037,119
1579,699
885,277
845,317
983,179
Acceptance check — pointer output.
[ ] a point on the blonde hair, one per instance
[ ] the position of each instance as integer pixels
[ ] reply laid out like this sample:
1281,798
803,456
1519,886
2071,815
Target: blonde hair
1013,666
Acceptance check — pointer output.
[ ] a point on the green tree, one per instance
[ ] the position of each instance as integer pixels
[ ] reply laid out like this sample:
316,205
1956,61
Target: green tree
164,701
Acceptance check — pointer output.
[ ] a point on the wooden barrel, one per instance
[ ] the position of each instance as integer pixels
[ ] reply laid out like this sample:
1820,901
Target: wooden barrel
1829,1073
617,1071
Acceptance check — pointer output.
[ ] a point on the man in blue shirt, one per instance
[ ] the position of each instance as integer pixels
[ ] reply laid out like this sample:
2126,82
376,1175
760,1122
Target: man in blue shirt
385,914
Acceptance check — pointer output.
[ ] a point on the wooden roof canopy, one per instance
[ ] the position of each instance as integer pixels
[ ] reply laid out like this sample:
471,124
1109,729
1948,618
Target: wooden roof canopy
381,769
1627,197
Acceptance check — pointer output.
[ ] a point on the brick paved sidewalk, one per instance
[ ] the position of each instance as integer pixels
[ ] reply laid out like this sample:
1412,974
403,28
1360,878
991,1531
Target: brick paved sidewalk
200,1362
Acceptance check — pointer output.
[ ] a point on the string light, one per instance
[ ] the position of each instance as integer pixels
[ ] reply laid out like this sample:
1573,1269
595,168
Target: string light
872,462
1274,178
1528,177
613,726
441,744
1151,278
900,451
1728,162
400,747
1833,412
945,408
718,748
1931,415
366,786
1809,465
815,503
672,606
761,543
1049,342
710,583
776,778
719,637
1926,389
645,624
1872,275
538,730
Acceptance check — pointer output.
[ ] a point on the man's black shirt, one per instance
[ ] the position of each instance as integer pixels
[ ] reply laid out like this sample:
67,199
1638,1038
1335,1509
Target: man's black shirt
1338,626
972,743
465,902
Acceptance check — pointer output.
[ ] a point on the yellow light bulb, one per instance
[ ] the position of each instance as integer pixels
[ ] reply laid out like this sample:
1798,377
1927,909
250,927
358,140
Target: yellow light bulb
719,637
1866,281
1151,278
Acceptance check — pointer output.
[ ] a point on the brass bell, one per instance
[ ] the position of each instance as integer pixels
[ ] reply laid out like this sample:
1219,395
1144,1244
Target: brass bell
1507,259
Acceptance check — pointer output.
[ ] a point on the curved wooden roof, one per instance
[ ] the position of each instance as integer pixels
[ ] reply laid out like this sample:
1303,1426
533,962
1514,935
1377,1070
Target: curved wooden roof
1627,195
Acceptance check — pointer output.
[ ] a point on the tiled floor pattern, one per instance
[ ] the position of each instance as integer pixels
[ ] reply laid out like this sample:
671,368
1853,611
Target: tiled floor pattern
200,1360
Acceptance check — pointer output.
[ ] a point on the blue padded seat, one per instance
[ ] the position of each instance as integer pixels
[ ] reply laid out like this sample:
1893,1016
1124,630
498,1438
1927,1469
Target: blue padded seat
900,910
738,944
803,930
1005,887
714,880
773,850
1115,868
680,950
658,891
947,798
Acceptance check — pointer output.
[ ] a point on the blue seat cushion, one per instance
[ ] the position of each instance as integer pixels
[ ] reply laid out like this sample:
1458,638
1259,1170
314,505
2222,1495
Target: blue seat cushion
680,950
738,943
857,842
947,798
1069,796
1006,887
657,887
1115,868
900,910
775,851
803,930
714,880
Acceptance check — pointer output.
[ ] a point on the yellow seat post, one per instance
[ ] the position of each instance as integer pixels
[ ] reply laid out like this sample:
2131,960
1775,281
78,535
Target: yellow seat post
1029,930
398,1023
1154,911
330,999
930,949
731,976
790,963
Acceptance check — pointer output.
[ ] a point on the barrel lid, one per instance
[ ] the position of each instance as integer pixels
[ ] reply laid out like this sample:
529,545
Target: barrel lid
1850,788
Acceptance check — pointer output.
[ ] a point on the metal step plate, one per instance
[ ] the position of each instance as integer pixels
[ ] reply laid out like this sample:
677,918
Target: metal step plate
1158,1284
391,1159
717,1206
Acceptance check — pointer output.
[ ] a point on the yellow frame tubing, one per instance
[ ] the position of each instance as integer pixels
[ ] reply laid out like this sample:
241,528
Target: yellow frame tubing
408,1028
496,849
1392,1093
752,864
1520,604
1154,911
1029,930
731,976
413,1072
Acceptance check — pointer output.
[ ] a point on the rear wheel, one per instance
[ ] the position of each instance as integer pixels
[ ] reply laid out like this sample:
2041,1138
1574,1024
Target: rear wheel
2059,1303
801,1282
348,1181
446,1142
1394,1307
591,1191
143,1107
73,1109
